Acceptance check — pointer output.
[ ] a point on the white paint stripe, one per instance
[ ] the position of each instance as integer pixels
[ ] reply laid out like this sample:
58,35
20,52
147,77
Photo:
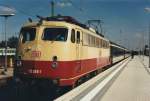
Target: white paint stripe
98,88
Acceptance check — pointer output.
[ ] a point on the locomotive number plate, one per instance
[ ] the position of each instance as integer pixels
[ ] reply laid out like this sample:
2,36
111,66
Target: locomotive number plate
36,54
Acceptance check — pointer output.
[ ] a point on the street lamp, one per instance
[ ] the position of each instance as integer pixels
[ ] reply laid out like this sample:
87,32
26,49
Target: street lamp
6,17
149,44
147,9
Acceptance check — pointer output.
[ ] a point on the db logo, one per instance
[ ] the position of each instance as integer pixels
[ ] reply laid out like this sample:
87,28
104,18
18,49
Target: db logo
36,54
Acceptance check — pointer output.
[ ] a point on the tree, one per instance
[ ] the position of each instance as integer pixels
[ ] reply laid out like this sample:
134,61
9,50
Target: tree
12,42
2,44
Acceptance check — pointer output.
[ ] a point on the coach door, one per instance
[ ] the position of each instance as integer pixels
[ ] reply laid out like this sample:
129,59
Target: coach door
78,49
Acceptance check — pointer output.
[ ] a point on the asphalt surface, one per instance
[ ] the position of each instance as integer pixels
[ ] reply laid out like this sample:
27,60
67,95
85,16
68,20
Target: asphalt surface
13,92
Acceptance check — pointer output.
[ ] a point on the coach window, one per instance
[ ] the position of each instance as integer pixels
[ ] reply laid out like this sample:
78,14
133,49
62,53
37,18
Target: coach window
78,37
73,36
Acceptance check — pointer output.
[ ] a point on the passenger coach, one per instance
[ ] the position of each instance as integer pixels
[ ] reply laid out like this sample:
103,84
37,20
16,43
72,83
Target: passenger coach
118,52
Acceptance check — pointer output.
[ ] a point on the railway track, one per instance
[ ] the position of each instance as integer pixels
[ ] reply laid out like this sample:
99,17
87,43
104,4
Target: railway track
5,81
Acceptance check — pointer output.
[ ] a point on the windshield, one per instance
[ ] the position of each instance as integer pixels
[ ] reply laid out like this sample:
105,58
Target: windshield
55,34
28,34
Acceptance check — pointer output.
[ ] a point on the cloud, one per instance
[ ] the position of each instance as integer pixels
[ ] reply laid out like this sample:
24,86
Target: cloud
64,4
147,9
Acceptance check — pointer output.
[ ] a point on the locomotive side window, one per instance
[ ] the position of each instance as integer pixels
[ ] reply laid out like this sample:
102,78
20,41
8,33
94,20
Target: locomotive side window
90,40
104,44
85,39
107,45
97,42
28,34
78,37
55,34
73,36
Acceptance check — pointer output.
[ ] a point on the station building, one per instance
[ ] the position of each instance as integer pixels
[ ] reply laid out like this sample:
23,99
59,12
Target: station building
11,52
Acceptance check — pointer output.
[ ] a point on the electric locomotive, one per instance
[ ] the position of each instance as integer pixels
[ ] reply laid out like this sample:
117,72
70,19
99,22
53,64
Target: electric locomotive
61,50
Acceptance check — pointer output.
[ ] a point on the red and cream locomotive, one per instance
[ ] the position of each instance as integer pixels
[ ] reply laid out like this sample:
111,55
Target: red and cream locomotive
61,50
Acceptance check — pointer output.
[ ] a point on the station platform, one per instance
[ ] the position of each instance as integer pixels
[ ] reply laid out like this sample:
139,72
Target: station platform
133,83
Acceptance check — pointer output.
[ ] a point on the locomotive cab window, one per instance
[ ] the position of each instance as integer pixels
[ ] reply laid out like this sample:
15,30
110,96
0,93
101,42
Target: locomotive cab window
27,34
78,37
73,36
55,34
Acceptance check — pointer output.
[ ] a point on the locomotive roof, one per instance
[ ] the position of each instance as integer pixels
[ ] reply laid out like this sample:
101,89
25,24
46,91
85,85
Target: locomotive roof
59,18
68,19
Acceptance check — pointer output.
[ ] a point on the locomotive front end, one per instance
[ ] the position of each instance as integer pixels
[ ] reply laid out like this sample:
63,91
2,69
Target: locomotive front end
41,52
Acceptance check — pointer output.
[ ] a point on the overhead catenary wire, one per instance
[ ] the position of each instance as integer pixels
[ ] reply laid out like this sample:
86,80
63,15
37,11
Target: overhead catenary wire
77,7
87,15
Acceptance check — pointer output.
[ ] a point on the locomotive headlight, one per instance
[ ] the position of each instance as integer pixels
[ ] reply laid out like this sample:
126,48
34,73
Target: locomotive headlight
54,65
18,63
54,62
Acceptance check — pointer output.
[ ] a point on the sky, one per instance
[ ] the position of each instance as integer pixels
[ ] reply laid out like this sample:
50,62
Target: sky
124,21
